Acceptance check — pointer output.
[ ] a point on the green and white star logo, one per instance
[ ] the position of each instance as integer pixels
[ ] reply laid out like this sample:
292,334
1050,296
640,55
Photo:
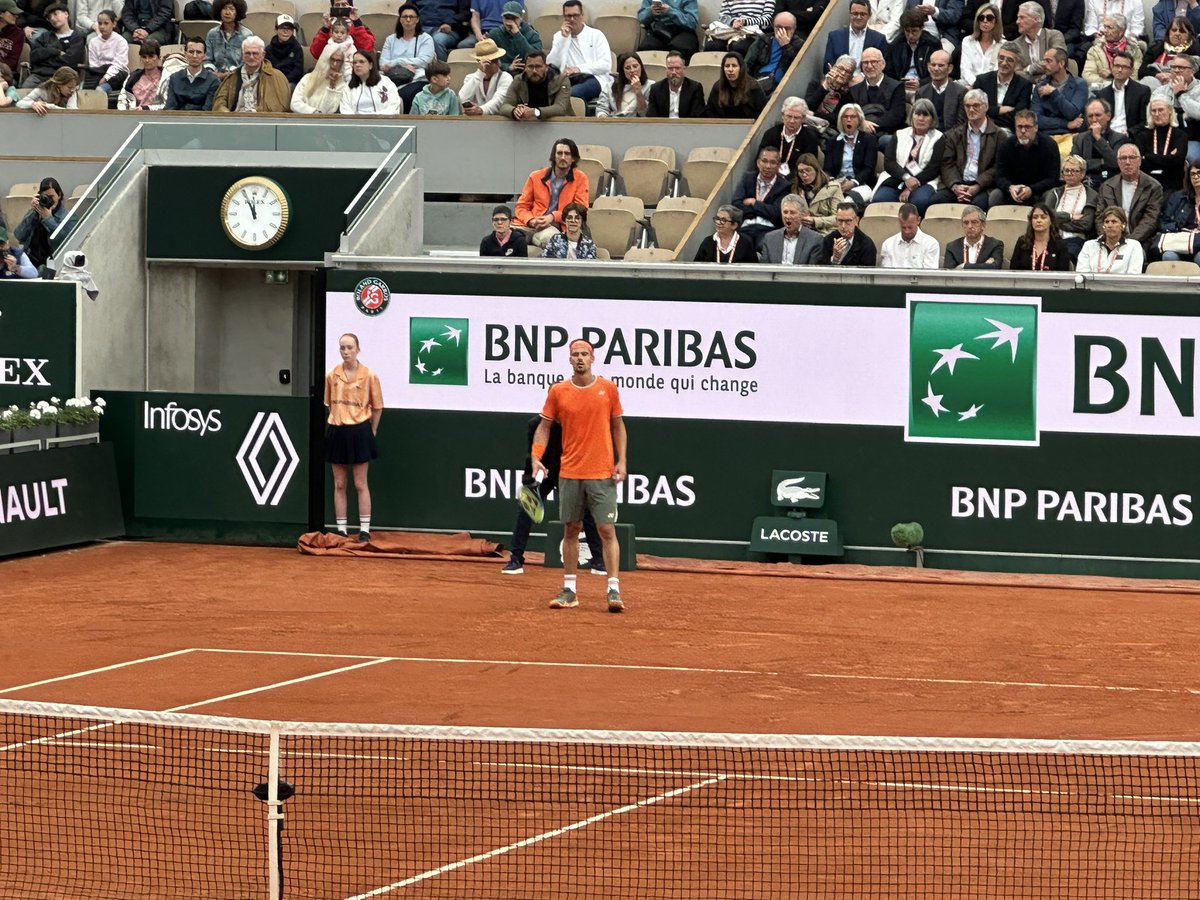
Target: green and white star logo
437,350
972,372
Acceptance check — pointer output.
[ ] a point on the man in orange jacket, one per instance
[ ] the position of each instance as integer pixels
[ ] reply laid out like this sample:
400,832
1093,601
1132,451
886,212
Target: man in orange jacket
548,191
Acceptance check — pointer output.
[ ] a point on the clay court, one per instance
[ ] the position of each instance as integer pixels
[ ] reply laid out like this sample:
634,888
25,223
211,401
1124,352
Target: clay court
270,634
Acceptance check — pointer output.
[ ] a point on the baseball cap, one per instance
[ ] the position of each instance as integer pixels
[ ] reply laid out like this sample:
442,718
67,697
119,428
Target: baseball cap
9,6
511,8
284,19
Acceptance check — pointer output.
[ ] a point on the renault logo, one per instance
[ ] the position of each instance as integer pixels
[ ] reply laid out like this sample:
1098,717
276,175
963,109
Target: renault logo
267,487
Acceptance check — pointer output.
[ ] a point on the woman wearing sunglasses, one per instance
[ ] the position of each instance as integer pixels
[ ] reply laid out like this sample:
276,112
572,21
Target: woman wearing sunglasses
980,47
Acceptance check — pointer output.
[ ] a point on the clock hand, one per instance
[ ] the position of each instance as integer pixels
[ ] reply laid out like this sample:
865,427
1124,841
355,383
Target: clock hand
253,213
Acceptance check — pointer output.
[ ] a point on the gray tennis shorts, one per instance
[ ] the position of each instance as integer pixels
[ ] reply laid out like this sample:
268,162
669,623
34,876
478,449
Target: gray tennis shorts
597,494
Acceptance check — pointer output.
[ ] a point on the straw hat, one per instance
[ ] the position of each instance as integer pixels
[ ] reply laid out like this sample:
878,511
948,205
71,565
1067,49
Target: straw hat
487,49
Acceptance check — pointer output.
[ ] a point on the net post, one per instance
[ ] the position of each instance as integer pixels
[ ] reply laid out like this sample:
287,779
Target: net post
274,819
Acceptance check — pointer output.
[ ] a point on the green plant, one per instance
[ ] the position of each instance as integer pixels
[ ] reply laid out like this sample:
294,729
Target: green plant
80,411
76,411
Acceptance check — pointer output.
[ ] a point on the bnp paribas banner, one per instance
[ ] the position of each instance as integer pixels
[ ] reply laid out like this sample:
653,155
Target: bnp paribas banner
946,368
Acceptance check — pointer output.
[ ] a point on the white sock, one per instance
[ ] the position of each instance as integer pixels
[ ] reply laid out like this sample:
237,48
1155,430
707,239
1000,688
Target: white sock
342,526
614,584
569,583
364,524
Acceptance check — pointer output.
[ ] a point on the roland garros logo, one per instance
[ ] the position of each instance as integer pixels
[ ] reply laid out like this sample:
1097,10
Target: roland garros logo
371,296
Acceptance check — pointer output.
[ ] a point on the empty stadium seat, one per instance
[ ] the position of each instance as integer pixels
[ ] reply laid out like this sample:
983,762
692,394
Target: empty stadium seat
380,18
310,23
655,63
462,63
945,211
16,202
673,217
649,254
617,223
597,163
883,210
624,32
93,100
578,107
262,15
879,229
547,25
1173,267
944,230
705,168
648,172
705,67
197,28
1009,211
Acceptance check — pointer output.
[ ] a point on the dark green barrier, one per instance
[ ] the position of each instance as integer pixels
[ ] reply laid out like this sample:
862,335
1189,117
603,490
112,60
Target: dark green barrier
211,466
58,497
37,342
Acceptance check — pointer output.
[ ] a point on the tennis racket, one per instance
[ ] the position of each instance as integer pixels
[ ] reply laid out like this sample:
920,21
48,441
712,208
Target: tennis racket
530,499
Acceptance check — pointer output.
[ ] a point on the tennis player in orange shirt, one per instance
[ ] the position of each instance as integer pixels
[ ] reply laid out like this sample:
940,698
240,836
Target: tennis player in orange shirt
588,408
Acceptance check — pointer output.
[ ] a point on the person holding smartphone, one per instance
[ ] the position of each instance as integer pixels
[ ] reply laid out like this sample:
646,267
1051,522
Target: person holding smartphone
484,90
670,25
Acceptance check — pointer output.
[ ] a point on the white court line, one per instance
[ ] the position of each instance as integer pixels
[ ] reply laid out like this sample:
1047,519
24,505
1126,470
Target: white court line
1028,684
132,662
279,684
493,662
537,838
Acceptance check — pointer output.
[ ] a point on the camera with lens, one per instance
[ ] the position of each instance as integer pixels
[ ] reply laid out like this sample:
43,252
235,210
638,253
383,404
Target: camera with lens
45,201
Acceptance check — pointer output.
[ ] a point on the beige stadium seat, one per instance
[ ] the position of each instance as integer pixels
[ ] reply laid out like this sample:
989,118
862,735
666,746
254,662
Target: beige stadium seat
624,32
705,168
597,152
673,217
547,25
616,223
648,172
135,57
613,8
945,211
655,63
603,255
93,100
196,28
262,15
310,23
649,254
883,211
381,24
16,203
1173,267
705,67
462,63
76,195
1012,212
879,229
578,107
944,230
169,49
599,178
1006,230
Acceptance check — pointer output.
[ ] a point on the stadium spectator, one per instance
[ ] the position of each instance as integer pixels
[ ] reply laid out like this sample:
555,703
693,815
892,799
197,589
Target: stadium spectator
676,96
850,156
45,212
1040,248
437,98
406,53
86,12
735,95
535,94
1093,17
821,194
1156,64
483,90
1164,145
12,35
911,248
913,161
1183,92
1112,252
1181,216
1098,145
322,90
1138,195
793,244
107,56
976,250
727,244
791,135
8,91
669,25
447,22
349,34
1097,68
630,93
757,195
142,19
1165,12
968,171
1067,16
1074,205
504,239
981,47
908,54
255,86
1027,164
1125,97
195,87
61,45
885,17
772,53
14,262
847,245
369,93
880,97
146,87
223,44
945,95
284,52
581,53
1007,92
486,15
827,95
59,91
1033,40
855,38
806,13
33,19
735,17
1059,98
516,37
574,241
548,192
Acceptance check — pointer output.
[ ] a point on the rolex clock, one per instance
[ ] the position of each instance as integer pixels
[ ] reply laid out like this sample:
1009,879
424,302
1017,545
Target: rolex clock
254,213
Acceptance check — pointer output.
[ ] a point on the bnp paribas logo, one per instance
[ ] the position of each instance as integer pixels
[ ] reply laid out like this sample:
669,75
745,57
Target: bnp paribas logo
972,372
437,350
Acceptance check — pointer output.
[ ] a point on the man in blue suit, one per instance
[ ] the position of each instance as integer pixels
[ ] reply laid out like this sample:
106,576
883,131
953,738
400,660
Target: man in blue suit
855,39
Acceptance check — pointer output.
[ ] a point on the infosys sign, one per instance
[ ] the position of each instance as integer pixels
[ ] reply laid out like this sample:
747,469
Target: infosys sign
947,368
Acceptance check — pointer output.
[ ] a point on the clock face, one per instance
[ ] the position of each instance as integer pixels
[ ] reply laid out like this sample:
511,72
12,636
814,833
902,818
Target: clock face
255,213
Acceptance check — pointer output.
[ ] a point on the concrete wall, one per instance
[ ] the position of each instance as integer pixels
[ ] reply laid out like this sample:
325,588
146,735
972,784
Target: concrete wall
395,225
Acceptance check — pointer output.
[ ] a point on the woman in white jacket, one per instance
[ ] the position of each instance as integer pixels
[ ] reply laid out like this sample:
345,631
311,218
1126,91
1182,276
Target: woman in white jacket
322,91
369,93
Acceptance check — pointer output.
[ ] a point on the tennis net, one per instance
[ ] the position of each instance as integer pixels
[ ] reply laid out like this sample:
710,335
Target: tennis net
110,803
